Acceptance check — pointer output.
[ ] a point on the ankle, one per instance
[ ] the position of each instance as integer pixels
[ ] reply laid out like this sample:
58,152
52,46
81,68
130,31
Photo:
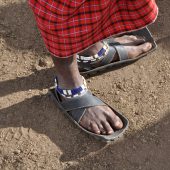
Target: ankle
94,59
71,92
67,72
70,82
92,50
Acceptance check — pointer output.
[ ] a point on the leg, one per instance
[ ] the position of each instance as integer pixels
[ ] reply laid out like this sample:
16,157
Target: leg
99,119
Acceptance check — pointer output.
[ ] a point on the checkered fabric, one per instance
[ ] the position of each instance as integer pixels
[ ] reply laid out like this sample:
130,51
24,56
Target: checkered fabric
70,26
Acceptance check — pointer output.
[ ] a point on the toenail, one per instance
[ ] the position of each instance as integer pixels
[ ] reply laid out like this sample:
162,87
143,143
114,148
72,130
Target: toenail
117,123
110,132
148,46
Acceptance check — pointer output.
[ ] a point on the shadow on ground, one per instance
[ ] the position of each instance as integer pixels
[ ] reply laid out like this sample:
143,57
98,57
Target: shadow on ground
23,83
40,114
147,150
143,149
21,33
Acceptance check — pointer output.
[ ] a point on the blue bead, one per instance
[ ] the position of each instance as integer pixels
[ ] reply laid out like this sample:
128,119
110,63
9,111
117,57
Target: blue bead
59,90
76,90
101,52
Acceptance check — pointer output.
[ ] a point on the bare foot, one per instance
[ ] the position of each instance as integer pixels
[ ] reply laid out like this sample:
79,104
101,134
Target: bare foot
100,120
133,51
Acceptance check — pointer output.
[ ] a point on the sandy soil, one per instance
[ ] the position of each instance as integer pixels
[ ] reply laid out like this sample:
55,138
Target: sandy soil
35,135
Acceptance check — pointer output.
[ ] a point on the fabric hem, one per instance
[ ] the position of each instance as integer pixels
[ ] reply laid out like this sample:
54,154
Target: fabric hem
106,38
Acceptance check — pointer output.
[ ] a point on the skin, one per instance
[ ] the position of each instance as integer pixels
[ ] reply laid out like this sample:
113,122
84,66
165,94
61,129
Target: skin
98,119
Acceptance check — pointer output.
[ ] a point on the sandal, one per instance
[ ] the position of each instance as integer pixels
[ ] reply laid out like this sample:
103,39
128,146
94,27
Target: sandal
88,68
75,109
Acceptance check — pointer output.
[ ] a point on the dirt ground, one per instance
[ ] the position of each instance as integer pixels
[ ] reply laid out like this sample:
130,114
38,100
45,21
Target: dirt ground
35,135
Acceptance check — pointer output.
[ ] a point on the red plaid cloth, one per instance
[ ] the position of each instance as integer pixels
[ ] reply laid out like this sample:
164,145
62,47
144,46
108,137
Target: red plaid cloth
70,26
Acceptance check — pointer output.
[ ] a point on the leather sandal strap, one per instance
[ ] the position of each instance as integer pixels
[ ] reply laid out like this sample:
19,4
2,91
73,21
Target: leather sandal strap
104,61
109,57
113,49
76,106
87,100
122,52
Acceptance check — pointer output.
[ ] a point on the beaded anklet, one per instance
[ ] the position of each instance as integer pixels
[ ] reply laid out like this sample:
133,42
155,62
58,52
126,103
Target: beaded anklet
78,91
102,53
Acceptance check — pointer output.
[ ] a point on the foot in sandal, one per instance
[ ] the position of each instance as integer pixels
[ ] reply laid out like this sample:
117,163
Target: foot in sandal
89,112
114,50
